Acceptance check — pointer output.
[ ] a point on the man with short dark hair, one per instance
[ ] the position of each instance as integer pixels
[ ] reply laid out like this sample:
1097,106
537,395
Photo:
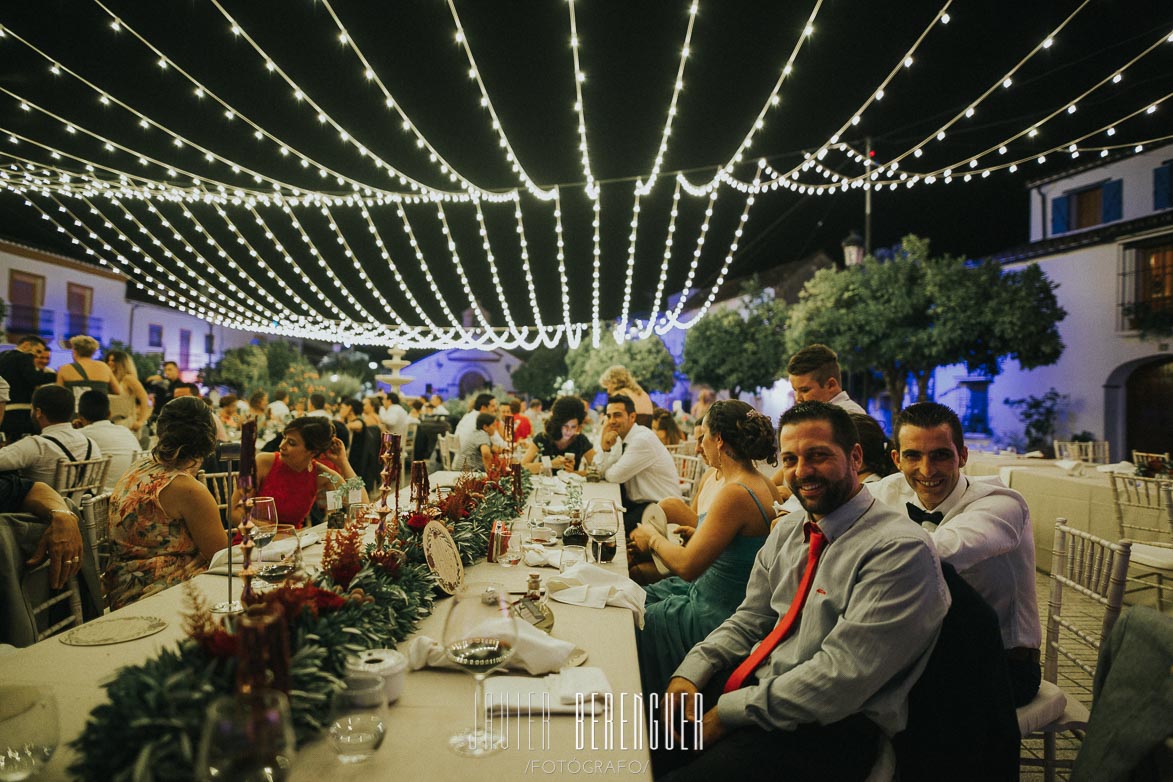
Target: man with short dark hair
19,368
162,388
392,415
847,602
815,376
633,456
36,457
981,528
117,442
467,427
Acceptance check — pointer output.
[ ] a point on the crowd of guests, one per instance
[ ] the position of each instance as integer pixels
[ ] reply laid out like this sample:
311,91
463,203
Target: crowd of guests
800,588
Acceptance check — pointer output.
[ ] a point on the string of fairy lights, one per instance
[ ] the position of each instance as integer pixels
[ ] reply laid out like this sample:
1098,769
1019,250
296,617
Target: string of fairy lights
201,228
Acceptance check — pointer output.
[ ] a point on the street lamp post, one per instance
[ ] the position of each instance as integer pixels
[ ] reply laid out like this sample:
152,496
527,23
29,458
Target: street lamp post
853,249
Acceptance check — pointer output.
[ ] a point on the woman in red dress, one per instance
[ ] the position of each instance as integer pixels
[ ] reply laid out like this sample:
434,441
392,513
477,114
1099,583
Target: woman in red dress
294,477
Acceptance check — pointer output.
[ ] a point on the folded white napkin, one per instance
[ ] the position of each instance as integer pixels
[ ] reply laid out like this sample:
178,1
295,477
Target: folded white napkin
1034,455
1070,466
535,652
539,556
556,693
589,585
274,552
1128,468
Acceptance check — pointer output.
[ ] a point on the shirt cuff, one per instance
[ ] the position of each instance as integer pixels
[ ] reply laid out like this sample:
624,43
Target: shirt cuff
731,708
696,670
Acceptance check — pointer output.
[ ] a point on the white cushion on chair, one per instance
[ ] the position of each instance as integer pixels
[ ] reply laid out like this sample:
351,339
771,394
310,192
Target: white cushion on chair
1152,556
1046,707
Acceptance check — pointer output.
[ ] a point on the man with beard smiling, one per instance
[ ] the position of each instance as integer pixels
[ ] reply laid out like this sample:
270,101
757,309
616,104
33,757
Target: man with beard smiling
810,701
981,528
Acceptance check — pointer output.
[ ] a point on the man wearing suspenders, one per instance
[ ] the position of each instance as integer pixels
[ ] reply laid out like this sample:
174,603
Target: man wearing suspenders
36,457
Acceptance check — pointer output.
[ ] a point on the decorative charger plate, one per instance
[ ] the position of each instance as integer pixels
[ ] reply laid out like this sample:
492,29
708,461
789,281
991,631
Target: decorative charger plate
113,631
443,557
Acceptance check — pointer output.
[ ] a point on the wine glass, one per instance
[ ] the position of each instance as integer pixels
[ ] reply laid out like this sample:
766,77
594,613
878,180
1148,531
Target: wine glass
358,709
28,730
571,556
284,559
264,516
247,738
509,542
480,634
601,521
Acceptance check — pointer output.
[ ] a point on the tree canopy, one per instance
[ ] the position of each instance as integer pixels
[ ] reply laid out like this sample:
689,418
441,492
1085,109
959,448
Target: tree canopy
246,369
914,313
739,349
648,360
542,374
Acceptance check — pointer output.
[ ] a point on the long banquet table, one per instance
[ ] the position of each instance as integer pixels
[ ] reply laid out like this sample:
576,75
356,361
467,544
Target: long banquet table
434,705
1084,500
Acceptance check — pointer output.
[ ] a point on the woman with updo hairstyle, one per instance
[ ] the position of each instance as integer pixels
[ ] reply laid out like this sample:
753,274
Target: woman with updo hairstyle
877,449
711,572
85,372
164,523
618,380
562,434
294,477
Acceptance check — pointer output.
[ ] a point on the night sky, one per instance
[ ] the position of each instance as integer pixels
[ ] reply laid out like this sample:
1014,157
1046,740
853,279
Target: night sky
629,53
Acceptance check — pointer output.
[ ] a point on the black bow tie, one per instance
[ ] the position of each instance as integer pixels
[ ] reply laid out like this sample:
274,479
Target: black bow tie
921,516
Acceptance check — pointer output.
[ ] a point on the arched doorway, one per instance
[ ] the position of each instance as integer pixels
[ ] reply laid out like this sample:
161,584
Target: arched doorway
471,382
1149,396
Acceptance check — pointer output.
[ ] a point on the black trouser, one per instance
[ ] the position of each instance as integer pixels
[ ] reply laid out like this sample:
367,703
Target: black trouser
1025,675
844,750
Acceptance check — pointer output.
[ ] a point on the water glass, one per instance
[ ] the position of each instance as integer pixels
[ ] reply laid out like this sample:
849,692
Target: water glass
28,730
509,544
571,556
247,738
283,560
358,714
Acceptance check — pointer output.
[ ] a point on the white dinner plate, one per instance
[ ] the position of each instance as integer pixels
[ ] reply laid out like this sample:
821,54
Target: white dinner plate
113,631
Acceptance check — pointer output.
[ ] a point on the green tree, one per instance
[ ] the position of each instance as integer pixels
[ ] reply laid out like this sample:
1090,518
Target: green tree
914,313
240,369
280,356
648,360
542,374
739,349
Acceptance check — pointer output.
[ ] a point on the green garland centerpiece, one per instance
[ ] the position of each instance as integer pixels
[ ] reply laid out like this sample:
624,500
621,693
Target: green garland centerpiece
365,597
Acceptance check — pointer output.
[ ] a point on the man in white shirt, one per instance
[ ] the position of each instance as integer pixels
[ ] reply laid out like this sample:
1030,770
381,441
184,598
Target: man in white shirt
484,403
633,456
437,405
278,410
117,442
815,376
981,528
393,416
36,457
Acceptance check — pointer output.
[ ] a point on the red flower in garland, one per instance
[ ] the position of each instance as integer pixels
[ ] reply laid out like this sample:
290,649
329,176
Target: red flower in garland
218,644
417,521
307,597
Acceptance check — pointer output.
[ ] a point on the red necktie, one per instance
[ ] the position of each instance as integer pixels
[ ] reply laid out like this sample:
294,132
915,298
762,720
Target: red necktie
786,623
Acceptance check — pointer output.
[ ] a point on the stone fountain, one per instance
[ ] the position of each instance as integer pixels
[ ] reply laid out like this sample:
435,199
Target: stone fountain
395,363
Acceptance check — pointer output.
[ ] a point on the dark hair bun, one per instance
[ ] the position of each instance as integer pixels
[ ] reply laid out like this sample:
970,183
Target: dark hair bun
187,431
747,434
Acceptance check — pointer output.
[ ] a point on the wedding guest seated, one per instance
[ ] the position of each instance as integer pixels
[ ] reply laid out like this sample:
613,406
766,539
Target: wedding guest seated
981,528
293,476
164,524
437,405
36,457
711,572
522,428
666,428
85,372
229,417
61,542
634,457
476,450
117,442
136,407
812,699
561,434
618,380
467,426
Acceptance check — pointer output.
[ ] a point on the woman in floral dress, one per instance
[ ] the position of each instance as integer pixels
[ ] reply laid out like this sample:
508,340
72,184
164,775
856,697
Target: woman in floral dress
164,523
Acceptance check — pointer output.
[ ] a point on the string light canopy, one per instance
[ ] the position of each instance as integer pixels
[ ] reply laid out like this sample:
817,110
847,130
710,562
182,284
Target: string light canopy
479,176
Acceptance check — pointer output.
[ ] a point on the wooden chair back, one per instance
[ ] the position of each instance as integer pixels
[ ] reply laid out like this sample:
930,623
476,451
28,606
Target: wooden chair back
74,480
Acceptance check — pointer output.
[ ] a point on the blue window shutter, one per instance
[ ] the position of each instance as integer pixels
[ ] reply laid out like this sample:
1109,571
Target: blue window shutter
1113,201
1060,215
1162,186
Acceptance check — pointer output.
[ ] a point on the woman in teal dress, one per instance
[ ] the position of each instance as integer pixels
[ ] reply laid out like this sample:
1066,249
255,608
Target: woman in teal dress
711,572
